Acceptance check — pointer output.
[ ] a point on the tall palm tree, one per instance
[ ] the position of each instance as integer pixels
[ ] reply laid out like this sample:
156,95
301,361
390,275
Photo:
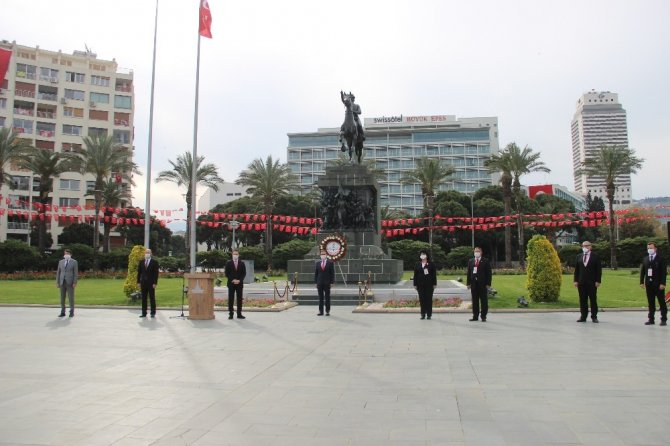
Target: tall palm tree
102,157
430,173
182,173
112,196
47,165
501,163
11,150
267,180
523,161
609,163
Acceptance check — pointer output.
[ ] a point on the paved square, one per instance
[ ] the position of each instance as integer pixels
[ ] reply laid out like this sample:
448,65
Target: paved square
106,377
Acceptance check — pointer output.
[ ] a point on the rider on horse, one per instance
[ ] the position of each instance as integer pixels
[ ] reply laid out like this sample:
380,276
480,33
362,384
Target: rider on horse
356,109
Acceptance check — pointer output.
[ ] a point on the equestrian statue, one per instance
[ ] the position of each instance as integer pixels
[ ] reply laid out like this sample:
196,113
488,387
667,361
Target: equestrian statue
351,131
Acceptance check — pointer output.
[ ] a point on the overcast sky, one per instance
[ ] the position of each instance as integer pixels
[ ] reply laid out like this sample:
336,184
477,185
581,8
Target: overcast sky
275,67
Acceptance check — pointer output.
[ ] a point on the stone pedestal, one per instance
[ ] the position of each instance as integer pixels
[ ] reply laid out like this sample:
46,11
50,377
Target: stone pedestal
200,295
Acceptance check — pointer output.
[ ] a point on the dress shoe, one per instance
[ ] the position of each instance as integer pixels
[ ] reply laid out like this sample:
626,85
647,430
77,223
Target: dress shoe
649,323
474,319
581,320
423,317
428,317
153,316
327,314
230,316
62,314
239,316
319,314
595,320
143,315
663,323
483,319
71,314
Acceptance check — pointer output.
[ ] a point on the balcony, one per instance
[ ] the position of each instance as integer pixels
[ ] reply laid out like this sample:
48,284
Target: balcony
22,130
24,93
23,111
46,114
26,75
46,133
47,96
18,225
121,122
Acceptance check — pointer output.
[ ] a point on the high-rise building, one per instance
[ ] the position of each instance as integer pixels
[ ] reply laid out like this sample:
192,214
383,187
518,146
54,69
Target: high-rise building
394,144
52,100
227,192
599,120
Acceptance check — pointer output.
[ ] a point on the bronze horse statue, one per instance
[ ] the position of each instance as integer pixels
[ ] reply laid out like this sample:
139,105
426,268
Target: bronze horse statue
351,131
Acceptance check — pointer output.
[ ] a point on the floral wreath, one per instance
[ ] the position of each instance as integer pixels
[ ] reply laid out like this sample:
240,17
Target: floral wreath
334,238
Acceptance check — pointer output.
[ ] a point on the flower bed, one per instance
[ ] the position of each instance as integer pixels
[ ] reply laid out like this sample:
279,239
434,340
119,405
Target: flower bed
247,303
414,303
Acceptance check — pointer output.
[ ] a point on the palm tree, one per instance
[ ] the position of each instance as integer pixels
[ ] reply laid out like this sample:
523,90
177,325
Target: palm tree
11,150
501,163
182,173
430,174
47,165
522,161
112,196
102,157
267,180
609,163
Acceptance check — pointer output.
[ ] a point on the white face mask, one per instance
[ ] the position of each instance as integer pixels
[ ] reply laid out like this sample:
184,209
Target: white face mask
477,254
235,258
651,251
323,257
423,256
67,256
147,256
585,249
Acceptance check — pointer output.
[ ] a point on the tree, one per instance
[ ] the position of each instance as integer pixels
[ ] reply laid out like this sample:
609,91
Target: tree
544,274
268,181
182,175
12,149
77,233
113,195
522,162
103,158
16,255
130,284
502,163
160,236
47,165
609,163
430,173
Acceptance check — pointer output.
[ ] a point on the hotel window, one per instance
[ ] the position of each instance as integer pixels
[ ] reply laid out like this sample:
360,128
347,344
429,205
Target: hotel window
72,130
75,77
96,131
26,71
69,184
68,202
48,74
101,98
102,81
77,95
23,125
122,101
73,112
122,136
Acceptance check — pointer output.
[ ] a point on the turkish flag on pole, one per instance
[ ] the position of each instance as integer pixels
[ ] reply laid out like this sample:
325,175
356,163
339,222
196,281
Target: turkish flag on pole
5,55
205,20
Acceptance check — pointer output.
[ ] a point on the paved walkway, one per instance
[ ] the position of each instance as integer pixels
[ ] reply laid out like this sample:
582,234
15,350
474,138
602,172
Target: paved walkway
106,377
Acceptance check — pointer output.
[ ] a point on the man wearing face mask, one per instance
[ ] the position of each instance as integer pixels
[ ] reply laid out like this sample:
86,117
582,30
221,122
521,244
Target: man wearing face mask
147,279
425,281
479,282
236,271
587,279
324,278
652,278
66,281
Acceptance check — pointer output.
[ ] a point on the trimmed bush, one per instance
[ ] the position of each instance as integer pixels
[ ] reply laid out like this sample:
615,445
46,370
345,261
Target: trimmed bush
16,255
568,253
130,285
170,264
291,250
408,252
256,254
544,270
459,256
212,259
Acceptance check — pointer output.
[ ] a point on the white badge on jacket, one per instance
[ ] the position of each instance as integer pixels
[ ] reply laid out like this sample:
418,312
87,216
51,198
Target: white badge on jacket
425,271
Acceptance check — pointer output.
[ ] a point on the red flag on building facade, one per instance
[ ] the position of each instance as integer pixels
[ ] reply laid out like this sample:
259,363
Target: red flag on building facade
5,55
205,19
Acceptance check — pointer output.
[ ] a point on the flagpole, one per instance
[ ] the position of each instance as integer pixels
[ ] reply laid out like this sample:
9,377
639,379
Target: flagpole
147,200
194,164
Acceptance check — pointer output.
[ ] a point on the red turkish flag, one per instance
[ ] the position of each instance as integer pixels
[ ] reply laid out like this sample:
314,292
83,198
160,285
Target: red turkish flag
205,19
5,55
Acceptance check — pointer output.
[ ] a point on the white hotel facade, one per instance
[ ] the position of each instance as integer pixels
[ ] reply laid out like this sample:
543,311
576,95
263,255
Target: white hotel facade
395,143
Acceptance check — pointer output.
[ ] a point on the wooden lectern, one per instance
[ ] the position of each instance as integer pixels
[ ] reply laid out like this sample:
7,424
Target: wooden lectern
200,295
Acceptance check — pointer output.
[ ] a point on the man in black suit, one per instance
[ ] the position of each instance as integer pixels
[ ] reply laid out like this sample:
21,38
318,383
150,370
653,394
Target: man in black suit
587,279
652,278
235,271
147,279
324,278
479,282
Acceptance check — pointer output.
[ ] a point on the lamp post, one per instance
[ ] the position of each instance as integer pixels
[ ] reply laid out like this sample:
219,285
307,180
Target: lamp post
96,228
315,191
472,217
234,224
429,201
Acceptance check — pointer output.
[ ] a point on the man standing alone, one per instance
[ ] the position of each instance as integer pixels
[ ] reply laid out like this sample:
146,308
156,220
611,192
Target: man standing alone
235,271
479,282
147,279
66,280
652,278
324,278
587,279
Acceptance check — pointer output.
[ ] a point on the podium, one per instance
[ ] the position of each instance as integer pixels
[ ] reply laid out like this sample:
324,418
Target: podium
200,295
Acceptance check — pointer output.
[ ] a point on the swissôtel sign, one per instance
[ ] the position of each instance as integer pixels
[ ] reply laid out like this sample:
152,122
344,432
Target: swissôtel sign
400,119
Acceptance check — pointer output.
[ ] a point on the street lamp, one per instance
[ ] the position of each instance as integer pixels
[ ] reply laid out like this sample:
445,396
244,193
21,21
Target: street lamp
96,228
429,201
315,191
234,224
472,217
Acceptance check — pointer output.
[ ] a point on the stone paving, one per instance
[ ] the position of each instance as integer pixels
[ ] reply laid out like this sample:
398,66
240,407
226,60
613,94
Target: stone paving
106,377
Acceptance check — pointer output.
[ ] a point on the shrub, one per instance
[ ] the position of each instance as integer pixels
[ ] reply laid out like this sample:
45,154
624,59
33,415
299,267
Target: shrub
256,254
294,249
16,255
170,264
212,259
631,250
568,253
544,270
408,252
459,256
116,259
134,258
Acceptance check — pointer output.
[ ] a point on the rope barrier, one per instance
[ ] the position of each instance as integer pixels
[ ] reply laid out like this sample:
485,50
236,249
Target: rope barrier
365,290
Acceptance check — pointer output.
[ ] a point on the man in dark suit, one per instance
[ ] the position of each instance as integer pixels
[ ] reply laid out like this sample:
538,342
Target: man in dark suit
147,279
235,271
479,282
324,278
587,279
652,278
66,281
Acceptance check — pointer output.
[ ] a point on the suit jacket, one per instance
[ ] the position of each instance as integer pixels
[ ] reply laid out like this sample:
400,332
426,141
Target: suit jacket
659,271
589,274
325,276
67,275
147,275
423,280
233,273
483,275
